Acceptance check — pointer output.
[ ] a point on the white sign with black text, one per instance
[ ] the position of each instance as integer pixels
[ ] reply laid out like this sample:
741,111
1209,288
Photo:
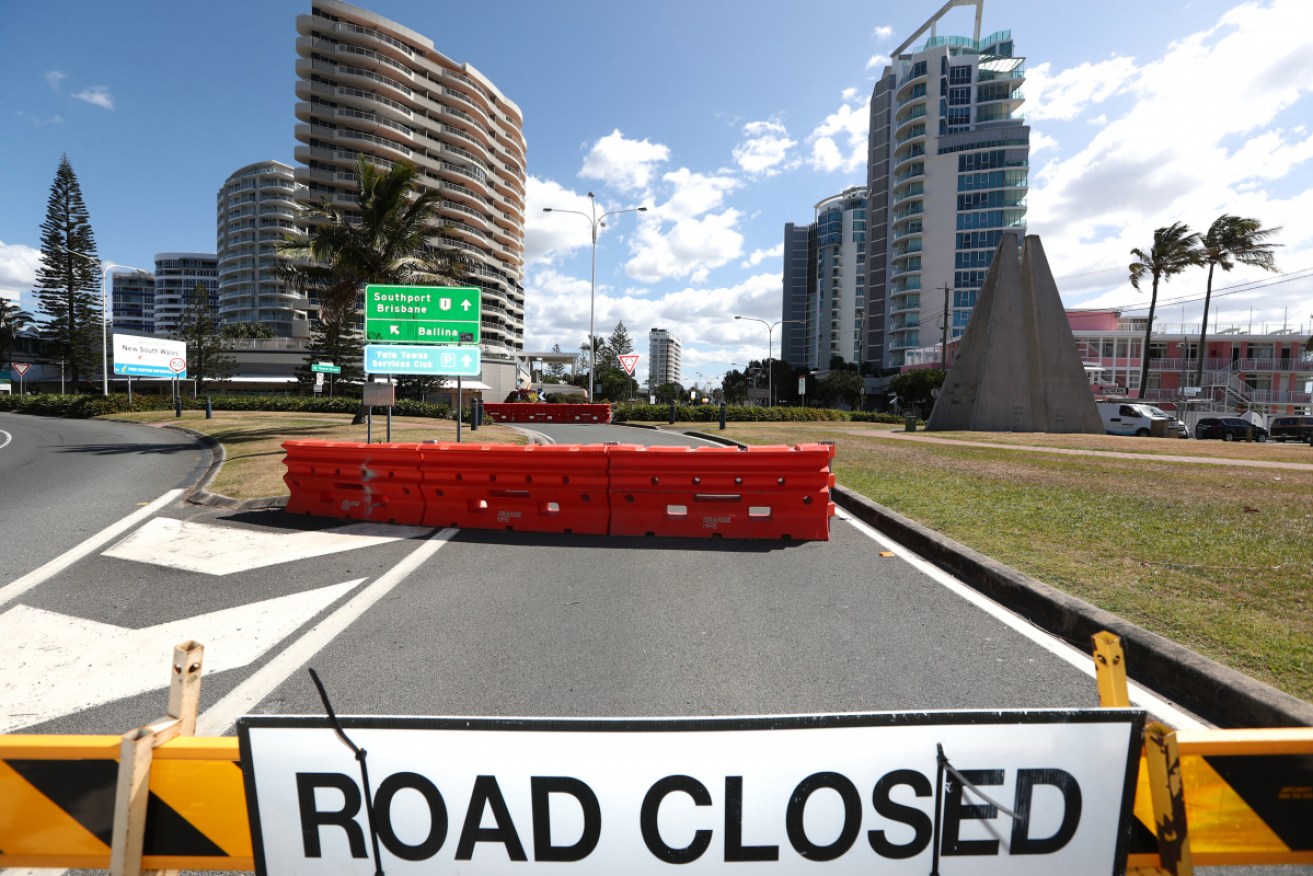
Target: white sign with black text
1044,792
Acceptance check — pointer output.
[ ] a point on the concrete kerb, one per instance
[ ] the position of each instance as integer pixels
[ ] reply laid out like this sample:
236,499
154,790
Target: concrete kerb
1219,694
200,494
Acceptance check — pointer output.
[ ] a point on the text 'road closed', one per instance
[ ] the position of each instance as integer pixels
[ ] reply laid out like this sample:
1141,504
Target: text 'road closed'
1025,792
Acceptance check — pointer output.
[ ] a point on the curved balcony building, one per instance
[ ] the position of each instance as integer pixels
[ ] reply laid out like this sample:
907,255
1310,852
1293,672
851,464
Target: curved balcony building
257,208
369,86
947,176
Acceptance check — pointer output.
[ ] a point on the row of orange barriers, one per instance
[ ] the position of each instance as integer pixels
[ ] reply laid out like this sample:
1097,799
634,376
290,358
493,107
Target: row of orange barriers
594,489
542,412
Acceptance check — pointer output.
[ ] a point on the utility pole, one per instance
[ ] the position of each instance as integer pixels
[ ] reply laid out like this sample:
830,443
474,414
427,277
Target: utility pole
943,355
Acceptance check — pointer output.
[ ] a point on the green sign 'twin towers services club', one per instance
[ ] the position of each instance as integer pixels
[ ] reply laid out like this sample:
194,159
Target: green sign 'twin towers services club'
422,314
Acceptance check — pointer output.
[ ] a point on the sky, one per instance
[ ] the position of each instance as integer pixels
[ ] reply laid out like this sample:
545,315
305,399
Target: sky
727,119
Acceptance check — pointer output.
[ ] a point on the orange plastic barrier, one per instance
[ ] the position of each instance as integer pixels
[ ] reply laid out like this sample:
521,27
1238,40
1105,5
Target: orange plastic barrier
594,489
553,488
708,492
542,412
353,481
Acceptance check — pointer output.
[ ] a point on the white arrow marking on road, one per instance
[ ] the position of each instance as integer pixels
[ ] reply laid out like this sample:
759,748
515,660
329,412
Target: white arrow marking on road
225,550
53,664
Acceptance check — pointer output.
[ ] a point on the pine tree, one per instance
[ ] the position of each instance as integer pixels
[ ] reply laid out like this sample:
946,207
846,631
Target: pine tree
207,348
335,342
69,280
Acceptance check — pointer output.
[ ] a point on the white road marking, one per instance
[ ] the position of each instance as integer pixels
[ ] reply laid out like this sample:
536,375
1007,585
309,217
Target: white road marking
14,589
1160,708
225,550
8,438
54,664
224,714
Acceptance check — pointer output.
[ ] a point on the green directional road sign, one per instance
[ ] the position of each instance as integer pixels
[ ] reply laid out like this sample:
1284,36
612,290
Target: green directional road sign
422,314
326,367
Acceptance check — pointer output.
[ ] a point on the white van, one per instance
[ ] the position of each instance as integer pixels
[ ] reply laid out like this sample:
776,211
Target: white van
1129,418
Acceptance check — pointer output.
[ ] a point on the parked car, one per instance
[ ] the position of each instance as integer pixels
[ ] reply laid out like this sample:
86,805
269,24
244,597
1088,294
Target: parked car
1229,429
1291,429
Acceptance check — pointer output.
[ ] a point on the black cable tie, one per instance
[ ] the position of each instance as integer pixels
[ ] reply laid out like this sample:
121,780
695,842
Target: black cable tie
941,761
360,755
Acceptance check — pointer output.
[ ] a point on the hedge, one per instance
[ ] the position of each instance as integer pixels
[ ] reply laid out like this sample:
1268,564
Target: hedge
740,414
83,406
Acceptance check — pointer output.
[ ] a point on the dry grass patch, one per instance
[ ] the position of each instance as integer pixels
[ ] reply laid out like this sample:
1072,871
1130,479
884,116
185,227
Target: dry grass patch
253,441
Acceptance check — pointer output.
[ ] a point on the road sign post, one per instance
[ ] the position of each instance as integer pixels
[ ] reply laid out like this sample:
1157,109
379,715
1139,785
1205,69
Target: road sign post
423,314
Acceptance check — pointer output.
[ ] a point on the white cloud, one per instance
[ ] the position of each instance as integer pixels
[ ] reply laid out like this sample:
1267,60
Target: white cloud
839,143
18,266
1067,94
54,78
883,32
765,148
548,236
760,255
694,193
624,164
1039,141
96,95
878,62
1217,125
691,248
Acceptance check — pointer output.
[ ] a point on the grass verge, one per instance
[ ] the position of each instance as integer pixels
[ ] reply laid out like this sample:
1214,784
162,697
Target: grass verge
1216,557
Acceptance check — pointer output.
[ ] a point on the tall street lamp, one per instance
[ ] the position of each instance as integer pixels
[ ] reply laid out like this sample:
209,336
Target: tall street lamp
770,351
595,222
105,269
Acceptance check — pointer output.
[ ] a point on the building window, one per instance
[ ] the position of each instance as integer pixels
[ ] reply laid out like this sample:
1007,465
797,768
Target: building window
960,74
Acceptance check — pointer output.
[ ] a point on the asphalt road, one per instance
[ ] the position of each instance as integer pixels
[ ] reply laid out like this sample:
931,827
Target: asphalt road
63,480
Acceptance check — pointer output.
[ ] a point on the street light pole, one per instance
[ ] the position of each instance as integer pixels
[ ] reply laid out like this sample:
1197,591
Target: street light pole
770,352
595,221
105,269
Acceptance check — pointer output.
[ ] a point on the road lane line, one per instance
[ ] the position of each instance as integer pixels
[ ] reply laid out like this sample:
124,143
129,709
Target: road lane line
8,438
240,700
17,588
1140,696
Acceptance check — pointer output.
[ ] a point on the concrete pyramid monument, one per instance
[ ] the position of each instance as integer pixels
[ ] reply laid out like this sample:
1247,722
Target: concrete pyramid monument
1017,369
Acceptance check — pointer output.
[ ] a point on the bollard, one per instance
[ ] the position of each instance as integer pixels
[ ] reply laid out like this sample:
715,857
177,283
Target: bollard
722,415
909,423
672,413
177,406
474,415
209,408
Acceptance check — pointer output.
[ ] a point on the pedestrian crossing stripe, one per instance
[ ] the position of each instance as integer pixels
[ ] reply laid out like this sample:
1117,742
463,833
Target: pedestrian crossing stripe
1248,798
58,797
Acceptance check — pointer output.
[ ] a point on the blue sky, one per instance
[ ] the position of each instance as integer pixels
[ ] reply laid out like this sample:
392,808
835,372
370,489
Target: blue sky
726,118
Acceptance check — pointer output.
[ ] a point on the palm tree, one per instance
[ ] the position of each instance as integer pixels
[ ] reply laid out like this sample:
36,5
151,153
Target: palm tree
385,238
13,321
1231,240
1175,248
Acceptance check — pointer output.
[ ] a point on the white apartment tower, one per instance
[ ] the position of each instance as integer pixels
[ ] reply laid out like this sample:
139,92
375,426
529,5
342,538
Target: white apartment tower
947,177
369,86
663,352
257,209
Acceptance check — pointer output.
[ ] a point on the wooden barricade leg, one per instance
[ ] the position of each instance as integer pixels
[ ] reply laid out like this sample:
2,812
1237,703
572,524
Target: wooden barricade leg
1168,793
133,790
1110,671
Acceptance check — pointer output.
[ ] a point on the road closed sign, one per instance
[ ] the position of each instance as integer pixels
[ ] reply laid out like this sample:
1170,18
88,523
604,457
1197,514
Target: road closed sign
1027,792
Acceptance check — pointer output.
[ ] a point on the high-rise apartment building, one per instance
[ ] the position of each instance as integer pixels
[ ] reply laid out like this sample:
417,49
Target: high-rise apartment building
256,210
663,353
799,287
132,306
176,277
369,86
947,176
825,283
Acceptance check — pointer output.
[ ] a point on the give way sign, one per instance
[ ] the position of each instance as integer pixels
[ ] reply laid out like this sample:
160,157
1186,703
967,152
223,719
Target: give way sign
629,360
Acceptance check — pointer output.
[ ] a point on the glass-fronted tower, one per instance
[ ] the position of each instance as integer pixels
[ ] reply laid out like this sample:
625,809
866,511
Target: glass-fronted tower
176,277
663,358
947,176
